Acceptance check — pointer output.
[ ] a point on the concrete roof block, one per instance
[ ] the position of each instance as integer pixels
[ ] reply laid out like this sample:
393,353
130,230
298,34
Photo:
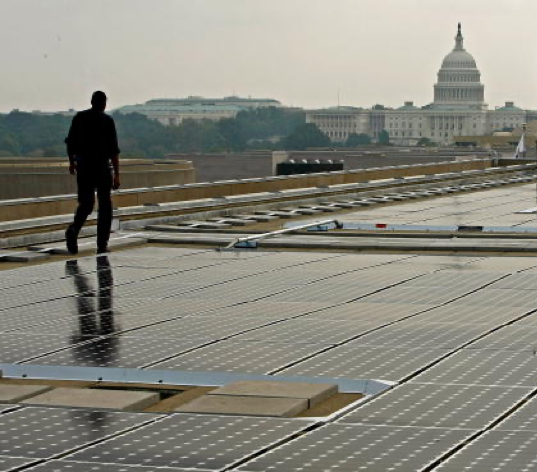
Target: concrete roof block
16,393
313,392
245,406
92,398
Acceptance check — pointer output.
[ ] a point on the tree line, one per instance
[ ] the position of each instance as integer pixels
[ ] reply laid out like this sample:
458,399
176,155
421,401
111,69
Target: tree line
34,135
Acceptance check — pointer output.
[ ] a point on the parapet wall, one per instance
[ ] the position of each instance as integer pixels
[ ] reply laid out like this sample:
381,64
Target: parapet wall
30,178
247,165
65,204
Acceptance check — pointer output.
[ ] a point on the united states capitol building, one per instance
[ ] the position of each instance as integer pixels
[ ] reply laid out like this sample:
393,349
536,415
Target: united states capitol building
458,109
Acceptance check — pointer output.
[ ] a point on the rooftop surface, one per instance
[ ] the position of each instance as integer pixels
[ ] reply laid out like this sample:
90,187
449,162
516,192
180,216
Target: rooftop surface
452,336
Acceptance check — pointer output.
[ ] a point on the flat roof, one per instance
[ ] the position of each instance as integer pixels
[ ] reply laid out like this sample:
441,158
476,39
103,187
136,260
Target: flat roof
452,334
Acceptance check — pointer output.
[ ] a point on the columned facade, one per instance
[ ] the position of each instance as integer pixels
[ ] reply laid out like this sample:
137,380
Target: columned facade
458,109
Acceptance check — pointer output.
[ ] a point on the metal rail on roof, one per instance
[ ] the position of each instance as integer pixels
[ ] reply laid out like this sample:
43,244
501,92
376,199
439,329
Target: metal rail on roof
250,241
178,377
352,225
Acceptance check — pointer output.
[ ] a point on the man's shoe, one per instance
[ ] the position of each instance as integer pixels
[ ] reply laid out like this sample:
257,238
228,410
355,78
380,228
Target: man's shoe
103,250
71,240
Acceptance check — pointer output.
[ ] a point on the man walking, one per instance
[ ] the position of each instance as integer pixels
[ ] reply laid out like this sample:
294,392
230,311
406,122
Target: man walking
92,146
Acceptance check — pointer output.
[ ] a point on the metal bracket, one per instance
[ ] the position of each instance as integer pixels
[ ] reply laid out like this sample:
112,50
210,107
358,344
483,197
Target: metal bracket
243,242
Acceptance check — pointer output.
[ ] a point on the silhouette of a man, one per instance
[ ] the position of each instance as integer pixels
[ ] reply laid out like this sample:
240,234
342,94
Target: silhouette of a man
92,146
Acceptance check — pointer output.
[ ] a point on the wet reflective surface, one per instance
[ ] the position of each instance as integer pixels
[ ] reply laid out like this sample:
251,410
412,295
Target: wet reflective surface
65,429
440,321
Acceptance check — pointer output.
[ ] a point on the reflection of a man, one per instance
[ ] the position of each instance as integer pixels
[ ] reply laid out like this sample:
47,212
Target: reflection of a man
94,322
94,421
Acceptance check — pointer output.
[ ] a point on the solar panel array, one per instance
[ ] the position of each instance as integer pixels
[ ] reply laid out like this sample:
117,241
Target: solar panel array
453,333
495,207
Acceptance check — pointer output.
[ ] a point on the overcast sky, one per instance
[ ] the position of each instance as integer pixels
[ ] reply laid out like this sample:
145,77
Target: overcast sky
54,53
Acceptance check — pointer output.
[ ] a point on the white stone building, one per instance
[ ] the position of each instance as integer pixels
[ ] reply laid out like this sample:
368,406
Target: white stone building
458,109
172,111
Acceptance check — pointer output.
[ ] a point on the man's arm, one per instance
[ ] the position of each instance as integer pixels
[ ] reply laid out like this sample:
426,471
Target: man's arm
115,156
115,164
70,141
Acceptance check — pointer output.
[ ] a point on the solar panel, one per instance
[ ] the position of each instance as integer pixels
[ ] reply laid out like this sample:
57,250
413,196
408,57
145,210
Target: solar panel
8,463
51,431
522,419
209,327
522,281
102,323
323,291
442,406
7,407
498,451
365,362
235,356
306,330
71,466
459,313
374,312
455,280
365,448
484,367
517,337
411,333
17,347
15,297
500,297
196,441
413,295
120,351
270,310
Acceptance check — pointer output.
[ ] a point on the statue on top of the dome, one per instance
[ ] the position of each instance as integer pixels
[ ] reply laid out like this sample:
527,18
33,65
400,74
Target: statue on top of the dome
459,40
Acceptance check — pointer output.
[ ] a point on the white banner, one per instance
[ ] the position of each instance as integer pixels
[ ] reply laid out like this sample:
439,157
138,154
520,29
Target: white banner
521,148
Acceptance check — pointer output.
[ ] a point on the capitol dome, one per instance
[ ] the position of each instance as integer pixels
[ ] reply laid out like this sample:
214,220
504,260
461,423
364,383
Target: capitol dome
459,80
459,59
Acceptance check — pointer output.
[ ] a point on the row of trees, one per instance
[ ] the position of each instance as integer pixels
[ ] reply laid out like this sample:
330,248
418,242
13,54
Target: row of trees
27,134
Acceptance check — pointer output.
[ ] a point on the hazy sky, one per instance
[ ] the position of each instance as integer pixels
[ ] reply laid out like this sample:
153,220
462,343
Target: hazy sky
54,53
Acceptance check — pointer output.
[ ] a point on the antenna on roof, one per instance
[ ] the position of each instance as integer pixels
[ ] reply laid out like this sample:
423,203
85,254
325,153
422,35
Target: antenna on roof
338,97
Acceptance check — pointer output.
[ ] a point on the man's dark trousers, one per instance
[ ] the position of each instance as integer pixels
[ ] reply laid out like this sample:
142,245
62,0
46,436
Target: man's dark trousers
89,181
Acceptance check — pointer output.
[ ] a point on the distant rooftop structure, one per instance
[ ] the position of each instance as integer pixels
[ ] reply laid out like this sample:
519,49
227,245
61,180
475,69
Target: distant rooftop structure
509,106
172,111
408,106
70,112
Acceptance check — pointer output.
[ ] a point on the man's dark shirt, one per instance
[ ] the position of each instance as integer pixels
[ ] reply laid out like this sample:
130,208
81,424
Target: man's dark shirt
92,138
